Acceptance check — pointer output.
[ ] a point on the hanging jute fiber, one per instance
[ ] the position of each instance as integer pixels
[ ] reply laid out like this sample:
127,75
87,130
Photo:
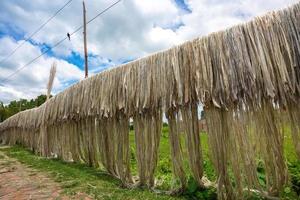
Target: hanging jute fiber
247,78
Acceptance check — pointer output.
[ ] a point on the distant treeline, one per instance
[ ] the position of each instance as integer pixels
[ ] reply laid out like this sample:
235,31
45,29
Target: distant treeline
16,106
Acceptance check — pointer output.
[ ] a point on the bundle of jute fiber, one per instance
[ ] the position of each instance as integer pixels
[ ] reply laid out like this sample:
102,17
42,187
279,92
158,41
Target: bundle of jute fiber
189,119
175,147
147,136
113,144
271,148
236,137
191,128
245,76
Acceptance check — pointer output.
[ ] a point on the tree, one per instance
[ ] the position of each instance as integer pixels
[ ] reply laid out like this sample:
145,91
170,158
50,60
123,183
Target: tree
16,106
2,111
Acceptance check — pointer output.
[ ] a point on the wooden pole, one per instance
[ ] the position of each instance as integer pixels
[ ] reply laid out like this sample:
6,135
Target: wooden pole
84,40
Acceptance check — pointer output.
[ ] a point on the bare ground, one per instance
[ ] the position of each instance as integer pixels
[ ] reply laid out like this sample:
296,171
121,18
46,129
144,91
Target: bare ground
19,182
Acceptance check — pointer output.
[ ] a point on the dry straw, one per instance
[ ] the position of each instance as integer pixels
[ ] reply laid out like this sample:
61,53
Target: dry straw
247,77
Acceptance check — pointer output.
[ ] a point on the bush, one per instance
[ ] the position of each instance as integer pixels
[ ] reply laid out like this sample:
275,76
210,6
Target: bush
194,192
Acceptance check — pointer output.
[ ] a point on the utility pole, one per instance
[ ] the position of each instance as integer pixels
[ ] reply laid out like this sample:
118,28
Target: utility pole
84,40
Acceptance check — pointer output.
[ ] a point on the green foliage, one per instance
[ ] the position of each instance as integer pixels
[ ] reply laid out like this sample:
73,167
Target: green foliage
294,169
2,112
261,173
164,166
202,114
288,194
14,107
194,192
165,124
131,127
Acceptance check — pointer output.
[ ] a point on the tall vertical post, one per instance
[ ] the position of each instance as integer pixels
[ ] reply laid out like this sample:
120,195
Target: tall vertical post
84,40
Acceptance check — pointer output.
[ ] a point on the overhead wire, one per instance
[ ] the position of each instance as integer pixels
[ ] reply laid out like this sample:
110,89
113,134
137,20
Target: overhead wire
36,31
59,42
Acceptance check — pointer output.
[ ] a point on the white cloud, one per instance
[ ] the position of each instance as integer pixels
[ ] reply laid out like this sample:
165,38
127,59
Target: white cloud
131,29
121,32
213,15
7,94
159,35
32,80
127,29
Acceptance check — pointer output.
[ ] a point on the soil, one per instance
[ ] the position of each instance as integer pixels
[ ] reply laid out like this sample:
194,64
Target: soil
19,182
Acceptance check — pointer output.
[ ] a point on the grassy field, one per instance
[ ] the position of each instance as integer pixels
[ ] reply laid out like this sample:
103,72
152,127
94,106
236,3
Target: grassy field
76,177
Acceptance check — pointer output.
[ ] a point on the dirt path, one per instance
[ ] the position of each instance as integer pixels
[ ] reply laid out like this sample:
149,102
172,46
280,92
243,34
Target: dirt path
19,182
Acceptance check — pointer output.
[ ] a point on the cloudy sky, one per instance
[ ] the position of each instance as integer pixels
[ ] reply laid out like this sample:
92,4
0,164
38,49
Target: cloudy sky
131,29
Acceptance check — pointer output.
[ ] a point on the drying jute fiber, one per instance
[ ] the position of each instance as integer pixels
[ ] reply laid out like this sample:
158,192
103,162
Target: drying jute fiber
246,77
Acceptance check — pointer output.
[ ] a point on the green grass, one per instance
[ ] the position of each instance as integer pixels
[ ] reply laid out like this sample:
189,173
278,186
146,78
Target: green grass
76,177
79,177
293,167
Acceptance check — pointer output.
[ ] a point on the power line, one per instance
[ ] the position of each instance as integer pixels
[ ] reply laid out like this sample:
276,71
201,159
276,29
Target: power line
36,31
106,9
59,42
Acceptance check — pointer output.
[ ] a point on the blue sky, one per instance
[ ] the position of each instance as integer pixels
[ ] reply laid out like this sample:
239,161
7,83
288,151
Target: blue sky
130,30
182,5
